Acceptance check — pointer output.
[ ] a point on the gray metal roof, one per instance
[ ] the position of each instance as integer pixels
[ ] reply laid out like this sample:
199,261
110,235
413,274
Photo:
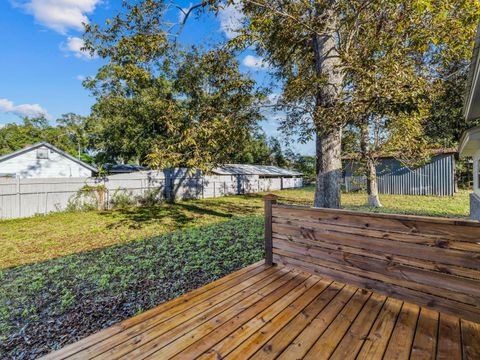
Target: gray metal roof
125,168
51,147
243,169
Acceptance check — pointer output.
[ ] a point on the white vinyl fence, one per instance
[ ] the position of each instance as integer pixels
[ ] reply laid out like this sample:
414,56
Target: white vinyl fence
29,197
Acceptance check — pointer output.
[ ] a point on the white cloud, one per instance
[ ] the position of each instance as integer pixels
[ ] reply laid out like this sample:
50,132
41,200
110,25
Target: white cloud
74,46
231,18
60,15
28,110
80,77
255,62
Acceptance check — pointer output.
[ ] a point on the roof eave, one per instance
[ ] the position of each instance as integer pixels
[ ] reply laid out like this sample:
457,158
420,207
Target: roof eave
472,99
469,138
50,146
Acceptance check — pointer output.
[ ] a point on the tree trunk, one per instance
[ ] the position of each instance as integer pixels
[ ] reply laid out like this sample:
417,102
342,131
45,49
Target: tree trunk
370,169
329,169
328,130
372,185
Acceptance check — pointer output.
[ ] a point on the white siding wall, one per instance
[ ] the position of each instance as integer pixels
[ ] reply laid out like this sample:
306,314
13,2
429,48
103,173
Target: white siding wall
291,183
27,165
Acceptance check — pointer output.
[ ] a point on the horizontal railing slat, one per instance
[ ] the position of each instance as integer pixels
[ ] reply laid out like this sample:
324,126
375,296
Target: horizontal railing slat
446,228
447,256
378,254
423,239
381,271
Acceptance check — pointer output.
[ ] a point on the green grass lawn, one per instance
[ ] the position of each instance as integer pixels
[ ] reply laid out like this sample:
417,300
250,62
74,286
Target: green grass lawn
68,275
450,206
42,238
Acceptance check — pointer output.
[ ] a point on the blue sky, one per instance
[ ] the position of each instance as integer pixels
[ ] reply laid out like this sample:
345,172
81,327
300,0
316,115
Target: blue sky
42,67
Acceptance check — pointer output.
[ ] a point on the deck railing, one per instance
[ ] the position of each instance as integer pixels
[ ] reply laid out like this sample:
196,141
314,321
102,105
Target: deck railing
432,262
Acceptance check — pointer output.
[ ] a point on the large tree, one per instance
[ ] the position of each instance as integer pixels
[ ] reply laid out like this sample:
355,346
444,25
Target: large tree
388,91
163,105
300,41
315,47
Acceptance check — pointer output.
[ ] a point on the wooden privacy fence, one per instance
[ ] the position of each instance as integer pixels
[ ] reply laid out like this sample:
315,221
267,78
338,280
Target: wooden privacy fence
432,262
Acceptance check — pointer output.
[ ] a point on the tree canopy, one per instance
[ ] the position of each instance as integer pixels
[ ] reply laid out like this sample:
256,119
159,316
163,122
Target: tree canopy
358,63
68,134
161,104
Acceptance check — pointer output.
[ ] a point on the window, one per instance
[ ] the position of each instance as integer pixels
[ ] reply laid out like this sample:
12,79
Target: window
42,153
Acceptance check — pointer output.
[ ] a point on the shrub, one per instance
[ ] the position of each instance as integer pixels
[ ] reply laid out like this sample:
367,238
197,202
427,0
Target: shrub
88,198
122,199
151,197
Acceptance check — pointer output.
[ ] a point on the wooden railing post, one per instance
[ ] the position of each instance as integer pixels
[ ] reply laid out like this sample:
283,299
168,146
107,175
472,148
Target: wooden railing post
269,199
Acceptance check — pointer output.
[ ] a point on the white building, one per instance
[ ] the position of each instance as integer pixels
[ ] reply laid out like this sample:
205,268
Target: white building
270,177
470,141
43,160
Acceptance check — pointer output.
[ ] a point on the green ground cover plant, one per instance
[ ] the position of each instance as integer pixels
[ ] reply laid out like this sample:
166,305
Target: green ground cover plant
47,305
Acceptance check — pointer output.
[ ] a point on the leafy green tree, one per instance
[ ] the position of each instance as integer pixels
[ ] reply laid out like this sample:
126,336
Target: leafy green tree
306,164
255,150
446,123
314,48
401,137
162,106
277,157
125,123
33,130
394,87
387,93
16,136
75,127
218,109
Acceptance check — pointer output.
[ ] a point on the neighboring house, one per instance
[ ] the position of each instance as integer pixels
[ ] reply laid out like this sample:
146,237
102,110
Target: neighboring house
437,177
230,179
273,177
43,160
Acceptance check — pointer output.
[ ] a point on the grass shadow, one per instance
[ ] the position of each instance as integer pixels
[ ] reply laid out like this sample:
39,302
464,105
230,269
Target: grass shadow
182,213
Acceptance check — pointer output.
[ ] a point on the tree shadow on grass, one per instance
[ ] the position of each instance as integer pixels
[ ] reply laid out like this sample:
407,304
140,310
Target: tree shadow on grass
181,214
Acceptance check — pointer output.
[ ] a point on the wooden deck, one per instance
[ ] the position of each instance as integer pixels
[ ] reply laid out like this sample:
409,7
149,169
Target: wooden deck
265,312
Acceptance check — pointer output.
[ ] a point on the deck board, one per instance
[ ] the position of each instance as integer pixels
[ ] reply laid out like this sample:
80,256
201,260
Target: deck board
353,340
265,312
